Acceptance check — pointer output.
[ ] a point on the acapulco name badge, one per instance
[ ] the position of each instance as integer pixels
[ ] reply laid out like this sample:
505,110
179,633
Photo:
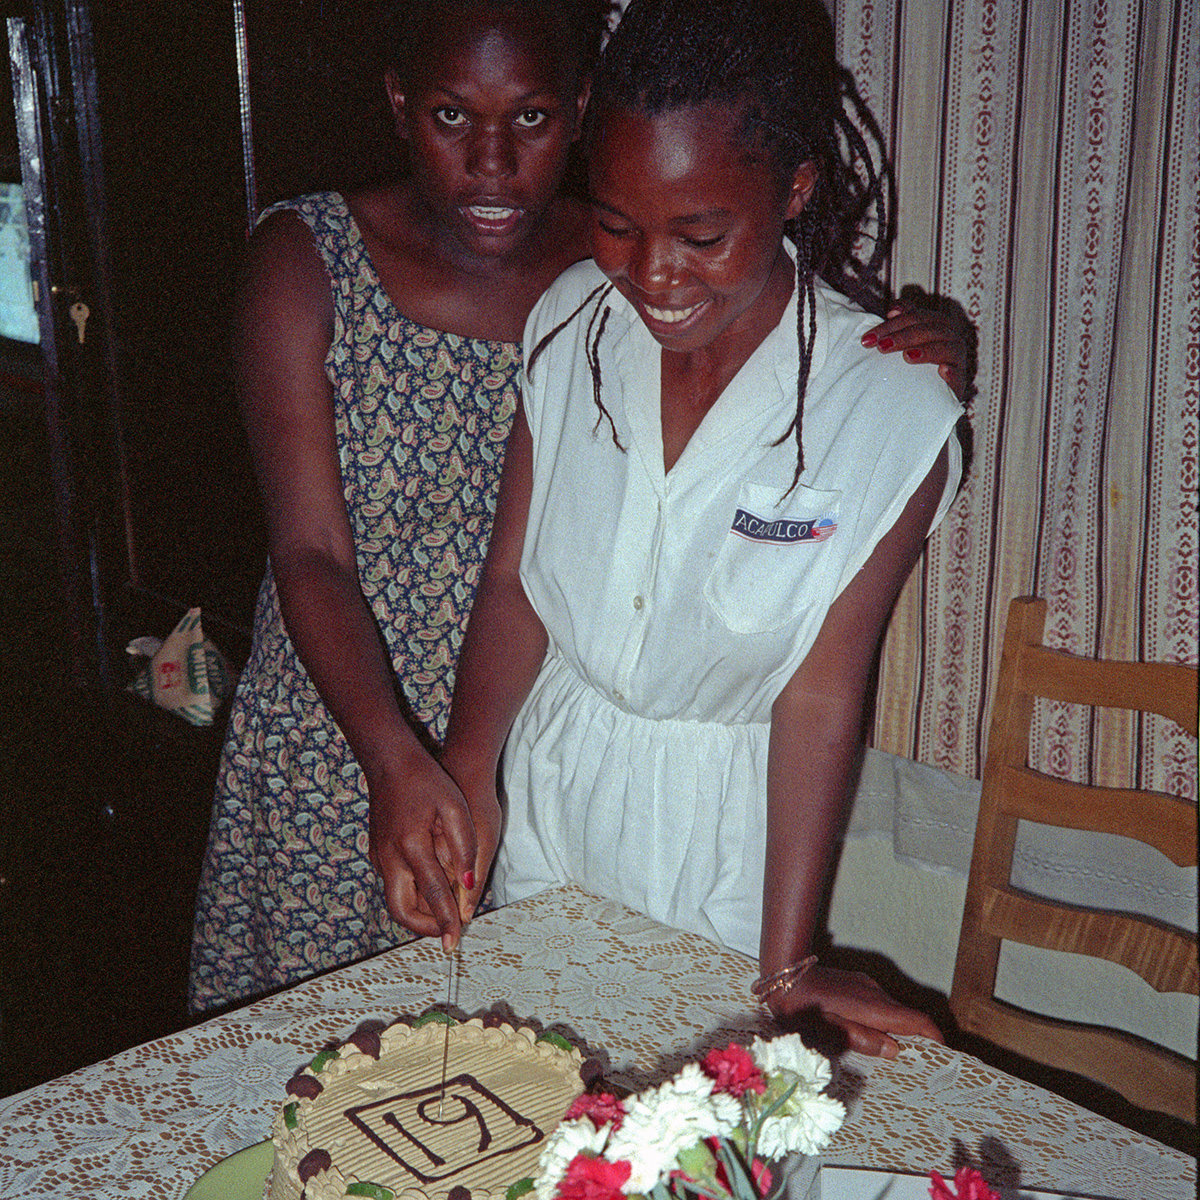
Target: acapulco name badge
783,531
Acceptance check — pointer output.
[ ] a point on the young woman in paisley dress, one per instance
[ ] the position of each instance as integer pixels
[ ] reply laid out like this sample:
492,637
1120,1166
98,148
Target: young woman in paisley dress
379,345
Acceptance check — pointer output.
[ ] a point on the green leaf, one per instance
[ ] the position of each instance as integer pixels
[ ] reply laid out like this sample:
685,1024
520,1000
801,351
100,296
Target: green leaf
697,1163
741,1177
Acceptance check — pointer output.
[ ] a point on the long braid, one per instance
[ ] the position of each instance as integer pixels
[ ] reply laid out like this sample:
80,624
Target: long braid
592,350
604,288
806,304
597,321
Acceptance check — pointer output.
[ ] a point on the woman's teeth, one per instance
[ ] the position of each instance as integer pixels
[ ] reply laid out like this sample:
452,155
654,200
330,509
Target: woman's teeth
669,316
490,213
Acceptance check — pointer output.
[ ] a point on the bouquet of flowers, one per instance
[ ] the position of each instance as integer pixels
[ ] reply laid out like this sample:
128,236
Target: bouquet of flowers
706,1134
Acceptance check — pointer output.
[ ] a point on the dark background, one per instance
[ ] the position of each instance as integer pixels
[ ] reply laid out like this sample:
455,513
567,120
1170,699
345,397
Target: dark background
106,798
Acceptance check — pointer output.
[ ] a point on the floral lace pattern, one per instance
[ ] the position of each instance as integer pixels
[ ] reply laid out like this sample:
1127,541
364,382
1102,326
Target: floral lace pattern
148,1121
421,419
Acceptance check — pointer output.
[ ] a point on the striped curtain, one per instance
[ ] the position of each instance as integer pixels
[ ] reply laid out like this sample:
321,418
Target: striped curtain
1048,163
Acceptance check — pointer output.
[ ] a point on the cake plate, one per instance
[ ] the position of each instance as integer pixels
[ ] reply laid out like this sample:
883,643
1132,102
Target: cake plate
241,1176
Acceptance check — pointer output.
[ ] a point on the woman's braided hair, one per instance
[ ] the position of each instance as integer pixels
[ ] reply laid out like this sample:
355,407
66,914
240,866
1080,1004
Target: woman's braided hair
774,62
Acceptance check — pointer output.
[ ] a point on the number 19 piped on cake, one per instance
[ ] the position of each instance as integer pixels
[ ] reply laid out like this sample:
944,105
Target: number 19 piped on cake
369,1119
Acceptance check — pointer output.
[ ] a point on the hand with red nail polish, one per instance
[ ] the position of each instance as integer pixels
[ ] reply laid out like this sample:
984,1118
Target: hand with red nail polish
928,329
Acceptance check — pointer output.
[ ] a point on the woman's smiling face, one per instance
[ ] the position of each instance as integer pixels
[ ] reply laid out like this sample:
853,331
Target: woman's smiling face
687,222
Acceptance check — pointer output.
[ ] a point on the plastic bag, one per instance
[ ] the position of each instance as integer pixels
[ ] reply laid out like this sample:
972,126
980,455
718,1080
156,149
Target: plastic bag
186,674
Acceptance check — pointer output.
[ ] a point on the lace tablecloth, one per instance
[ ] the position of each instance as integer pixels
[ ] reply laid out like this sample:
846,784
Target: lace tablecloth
147,1122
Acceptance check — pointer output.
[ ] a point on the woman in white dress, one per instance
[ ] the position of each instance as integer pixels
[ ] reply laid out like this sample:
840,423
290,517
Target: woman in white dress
711,499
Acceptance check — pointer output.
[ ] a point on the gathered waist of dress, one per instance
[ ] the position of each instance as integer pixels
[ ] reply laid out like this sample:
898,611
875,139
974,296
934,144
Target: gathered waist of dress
635,701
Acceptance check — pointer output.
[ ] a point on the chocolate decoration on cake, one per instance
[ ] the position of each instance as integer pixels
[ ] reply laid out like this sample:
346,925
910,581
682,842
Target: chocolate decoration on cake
312,1162
592,1072
406,1126
458,1192
366,1038
306,1086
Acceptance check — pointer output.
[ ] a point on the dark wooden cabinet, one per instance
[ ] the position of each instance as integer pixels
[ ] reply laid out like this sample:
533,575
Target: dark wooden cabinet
162,128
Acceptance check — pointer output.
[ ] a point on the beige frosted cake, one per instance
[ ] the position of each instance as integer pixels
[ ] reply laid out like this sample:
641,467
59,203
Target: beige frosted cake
369,1119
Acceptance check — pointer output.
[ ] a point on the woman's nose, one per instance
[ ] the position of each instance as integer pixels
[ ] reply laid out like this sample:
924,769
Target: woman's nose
492,152
653,265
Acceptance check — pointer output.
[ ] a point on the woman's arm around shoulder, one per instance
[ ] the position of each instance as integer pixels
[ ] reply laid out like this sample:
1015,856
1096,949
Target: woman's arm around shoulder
420,830
816,737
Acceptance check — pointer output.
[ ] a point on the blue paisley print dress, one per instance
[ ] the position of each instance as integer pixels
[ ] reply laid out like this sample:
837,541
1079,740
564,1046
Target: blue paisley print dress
422,418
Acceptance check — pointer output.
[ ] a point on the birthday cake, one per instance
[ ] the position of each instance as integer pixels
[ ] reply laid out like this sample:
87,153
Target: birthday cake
372,1119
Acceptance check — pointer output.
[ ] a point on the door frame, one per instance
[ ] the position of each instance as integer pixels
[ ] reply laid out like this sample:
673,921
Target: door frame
55,99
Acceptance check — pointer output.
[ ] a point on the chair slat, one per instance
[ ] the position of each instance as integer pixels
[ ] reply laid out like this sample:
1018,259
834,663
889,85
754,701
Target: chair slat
1164,957
1165,822
1144,1074
1168,689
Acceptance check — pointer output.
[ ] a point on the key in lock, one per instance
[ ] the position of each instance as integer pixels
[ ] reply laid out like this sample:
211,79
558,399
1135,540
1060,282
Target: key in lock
79,313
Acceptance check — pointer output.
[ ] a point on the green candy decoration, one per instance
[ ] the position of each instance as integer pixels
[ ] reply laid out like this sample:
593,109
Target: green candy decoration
373,1191
555,1039
434,1018
318,1063
521,1188
289,1115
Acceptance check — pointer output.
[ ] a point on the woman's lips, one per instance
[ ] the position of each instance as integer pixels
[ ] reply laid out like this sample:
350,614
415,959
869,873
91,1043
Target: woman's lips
669,323
492,218
669,316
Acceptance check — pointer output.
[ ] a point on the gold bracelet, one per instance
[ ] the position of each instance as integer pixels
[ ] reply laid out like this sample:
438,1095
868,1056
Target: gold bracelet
782,980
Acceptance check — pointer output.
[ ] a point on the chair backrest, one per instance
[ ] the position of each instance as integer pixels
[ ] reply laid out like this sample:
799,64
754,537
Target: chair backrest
1164,957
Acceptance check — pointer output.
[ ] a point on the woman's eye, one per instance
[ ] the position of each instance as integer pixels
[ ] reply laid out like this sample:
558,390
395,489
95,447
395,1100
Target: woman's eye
530,118
612,230
450,116
701,243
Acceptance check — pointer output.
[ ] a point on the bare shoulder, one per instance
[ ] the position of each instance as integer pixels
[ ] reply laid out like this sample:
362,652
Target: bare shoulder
281,253
284,288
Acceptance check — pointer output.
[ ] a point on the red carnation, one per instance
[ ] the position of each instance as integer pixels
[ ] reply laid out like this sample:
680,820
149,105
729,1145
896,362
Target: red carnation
968,1185
603,1108
593,1179
733,1071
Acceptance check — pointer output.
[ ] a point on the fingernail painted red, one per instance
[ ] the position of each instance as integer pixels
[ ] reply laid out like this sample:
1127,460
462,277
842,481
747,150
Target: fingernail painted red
468,879
868,339
913,355
886,343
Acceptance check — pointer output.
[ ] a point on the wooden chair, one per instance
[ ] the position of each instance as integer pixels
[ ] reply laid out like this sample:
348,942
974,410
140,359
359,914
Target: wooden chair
1164,957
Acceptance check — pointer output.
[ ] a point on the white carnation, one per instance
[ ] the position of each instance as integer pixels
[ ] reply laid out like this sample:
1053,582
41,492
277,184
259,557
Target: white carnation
805,1131
569,1139
789,1053
661,1122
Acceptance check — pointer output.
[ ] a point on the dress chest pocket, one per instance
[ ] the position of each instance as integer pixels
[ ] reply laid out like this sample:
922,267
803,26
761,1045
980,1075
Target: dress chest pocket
776,559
